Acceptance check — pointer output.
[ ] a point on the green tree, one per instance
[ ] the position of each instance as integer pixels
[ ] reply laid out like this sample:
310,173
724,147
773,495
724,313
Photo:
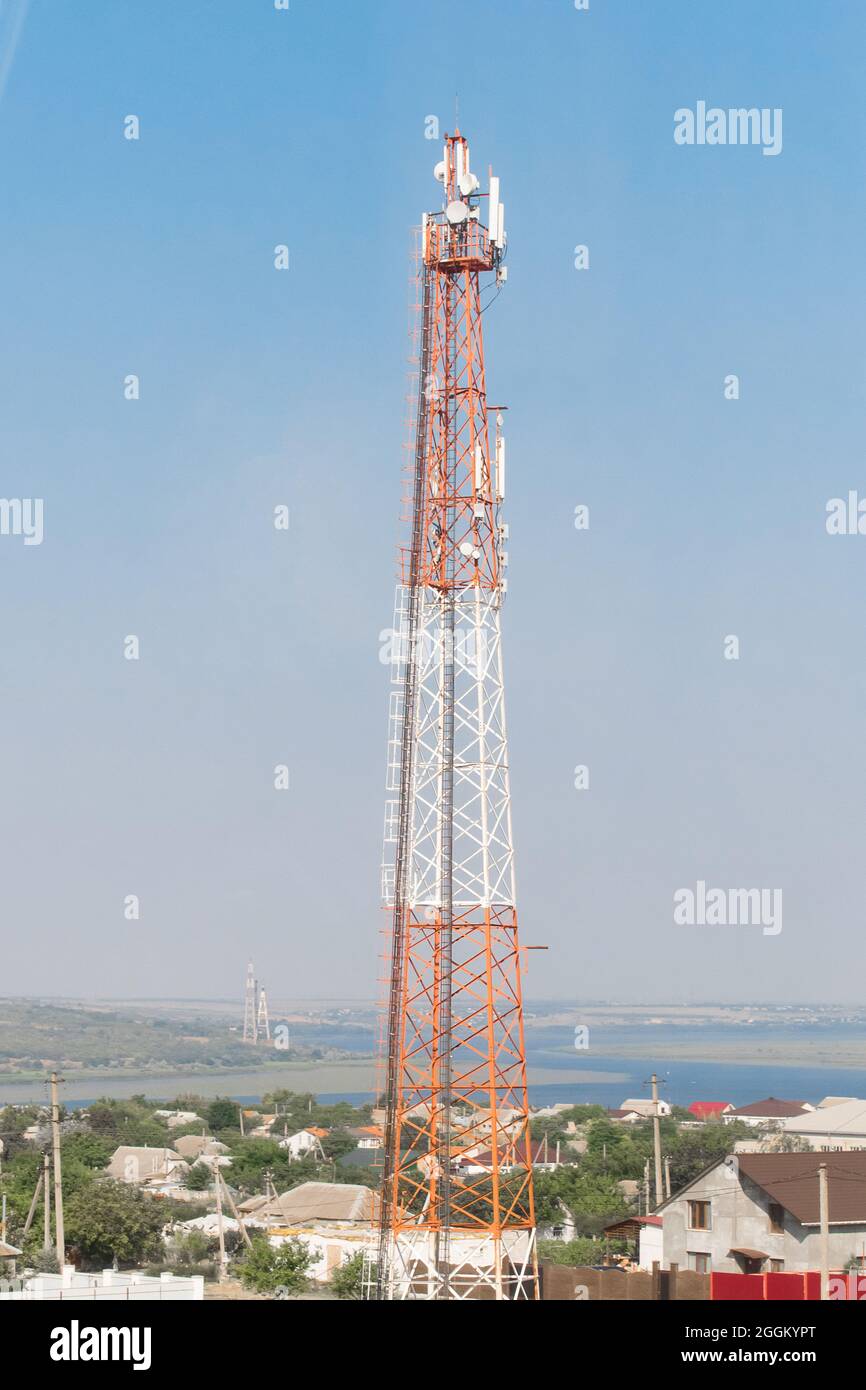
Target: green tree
191,1248
591,1199
90,1150
272,1269
347,1280
109,1220
337,1143
126,1121
198,1178
223,1113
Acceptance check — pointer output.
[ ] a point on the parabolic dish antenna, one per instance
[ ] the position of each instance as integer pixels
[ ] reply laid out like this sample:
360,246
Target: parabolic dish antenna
439,171
456,213
467,183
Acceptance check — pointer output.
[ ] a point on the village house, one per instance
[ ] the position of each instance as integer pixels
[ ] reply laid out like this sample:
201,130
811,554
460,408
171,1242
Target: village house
333,1220
768,1112
645,1108
537,1153
162,1171
837,1125
200,1148
175,1119
305,1141
756,1213
704,1110
263,1129
367,1136
644,1233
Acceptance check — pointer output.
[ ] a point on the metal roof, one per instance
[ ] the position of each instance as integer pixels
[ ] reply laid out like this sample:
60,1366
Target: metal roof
792,1181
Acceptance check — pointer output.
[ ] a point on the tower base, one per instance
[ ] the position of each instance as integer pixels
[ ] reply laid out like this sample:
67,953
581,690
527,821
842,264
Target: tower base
425,1265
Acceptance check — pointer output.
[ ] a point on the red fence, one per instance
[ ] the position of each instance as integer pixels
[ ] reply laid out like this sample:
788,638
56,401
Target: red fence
787,1287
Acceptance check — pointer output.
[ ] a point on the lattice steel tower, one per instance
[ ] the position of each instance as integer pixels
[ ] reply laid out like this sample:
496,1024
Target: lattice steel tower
456,1216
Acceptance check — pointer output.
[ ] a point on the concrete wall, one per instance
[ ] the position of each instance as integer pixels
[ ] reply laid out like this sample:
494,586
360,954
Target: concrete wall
109,1286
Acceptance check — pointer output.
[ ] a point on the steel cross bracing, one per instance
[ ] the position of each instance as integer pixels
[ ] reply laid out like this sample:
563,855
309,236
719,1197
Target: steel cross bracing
456,1213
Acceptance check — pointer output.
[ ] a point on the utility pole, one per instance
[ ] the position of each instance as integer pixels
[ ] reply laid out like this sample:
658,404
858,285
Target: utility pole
657,1141
234,1211
667,1176
222,1237
46,1193
824,1216
241,1113
58,1176
646,1186
32,1212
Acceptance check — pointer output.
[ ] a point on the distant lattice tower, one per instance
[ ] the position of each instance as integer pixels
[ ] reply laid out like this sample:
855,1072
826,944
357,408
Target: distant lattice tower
250,1010
263,1026
455,1083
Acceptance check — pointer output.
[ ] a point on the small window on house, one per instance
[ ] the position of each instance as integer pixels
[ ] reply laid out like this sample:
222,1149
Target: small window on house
777,1217
558,1232
699,1216
698,1261
777,1266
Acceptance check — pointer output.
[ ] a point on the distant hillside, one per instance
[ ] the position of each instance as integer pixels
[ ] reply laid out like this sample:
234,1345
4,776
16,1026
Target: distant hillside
36,1035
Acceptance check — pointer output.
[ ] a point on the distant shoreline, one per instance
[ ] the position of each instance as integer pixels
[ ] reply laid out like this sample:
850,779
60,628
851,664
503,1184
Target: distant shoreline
321,1078
359,1077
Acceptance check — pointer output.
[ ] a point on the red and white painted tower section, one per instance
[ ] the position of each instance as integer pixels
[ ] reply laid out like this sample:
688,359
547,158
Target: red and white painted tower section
457,1216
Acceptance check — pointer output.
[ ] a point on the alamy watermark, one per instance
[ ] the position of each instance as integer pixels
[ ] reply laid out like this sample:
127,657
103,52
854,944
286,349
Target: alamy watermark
846,516
22,516
715,125
729,907
466,648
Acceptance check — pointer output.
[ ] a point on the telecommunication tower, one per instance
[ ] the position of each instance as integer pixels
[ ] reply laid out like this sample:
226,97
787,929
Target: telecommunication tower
263,1023
456,1214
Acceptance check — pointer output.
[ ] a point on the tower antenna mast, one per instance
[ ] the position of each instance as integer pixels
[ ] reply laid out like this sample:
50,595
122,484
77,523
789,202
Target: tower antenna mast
457,1214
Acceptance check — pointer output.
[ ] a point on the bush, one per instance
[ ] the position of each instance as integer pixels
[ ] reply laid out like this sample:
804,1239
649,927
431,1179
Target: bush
271,1269
198,1178
580,1251
347,1281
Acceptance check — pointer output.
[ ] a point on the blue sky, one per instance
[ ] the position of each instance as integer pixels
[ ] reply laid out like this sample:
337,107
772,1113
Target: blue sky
155,257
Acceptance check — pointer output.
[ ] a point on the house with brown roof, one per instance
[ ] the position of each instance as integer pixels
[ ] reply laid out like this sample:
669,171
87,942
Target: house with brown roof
757,1213
767,1112
367,1136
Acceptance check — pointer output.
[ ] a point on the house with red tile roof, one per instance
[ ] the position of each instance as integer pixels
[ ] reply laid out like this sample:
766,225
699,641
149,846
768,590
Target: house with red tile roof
710,1109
